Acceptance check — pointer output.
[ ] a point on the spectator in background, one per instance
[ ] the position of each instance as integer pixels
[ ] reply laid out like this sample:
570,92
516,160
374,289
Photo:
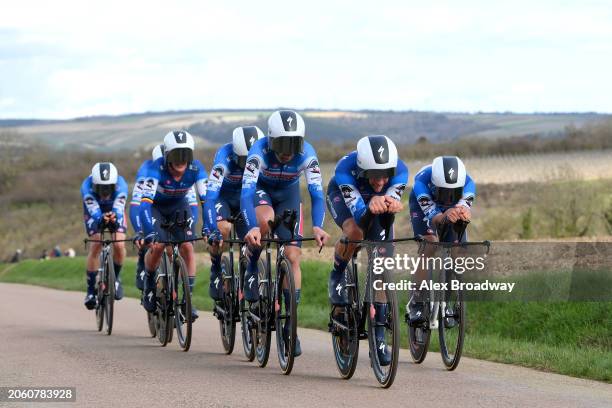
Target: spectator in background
43,255
70,253
17,256
57,252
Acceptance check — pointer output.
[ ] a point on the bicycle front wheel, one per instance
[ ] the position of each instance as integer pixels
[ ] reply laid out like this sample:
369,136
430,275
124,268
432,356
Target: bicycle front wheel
109,295
285,313
451,329
385,374
181,296
227,324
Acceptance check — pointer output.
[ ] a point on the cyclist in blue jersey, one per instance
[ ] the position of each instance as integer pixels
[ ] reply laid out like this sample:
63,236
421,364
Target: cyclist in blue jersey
135,212
223,198
270,184
443,192
104,194
164,194
372,177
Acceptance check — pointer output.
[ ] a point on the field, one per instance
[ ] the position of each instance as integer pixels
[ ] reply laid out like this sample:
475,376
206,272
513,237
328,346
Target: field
572,338
136,131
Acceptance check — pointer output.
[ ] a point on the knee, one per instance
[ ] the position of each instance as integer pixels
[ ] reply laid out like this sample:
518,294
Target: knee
186,249
95,249
293,254
430,238
225,228
353,232
119,247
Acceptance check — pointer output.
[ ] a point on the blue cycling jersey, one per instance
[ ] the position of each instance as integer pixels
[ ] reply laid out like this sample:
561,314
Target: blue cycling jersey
264,170
137,197
357,191
95,205
162,189
225,177
424,191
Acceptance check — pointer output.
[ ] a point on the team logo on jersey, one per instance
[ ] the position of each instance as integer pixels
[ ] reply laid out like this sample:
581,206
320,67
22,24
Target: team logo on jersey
89,201
399,190
252,165
313,166
347,192
217,172
150,183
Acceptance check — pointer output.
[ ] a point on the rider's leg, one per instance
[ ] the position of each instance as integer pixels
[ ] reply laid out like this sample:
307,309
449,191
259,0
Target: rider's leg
342,256
294,254
264,214
152,260
118,258
216,251
187,251
93,263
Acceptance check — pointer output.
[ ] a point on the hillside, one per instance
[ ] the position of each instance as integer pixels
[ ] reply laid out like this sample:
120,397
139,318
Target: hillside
213,127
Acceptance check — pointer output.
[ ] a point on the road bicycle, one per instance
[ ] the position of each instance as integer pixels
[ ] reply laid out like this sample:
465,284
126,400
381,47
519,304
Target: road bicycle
274,312
445,310
357,320
173,296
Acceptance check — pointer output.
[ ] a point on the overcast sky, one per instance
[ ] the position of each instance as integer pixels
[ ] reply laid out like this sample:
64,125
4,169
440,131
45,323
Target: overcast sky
62,59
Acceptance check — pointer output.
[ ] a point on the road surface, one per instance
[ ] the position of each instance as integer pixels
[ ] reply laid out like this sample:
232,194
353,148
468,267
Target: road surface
47,338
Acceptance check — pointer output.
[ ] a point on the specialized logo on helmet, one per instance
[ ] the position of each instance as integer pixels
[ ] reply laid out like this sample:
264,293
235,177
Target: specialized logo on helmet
450,166
250,136
289,120
105,171
180,137
379,145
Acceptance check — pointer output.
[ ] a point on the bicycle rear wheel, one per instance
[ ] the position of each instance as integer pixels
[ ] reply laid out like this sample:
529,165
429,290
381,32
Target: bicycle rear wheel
385,375
262,331
285,318
344,327
245,321
181,300
227,324
451,329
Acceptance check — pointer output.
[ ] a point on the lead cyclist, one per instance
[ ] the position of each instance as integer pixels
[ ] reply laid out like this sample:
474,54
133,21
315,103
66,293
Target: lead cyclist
372,177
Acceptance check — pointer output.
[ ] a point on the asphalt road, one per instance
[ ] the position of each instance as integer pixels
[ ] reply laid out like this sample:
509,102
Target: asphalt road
47,338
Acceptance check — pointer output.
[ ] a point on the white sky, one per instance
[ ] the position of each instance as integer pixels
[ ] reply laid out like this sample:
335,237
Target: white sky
61,59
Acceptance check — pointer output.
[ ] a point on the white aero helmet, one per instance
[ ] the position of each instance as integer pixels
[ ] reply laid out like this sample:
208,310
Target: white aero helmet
104,178
376,156
286,131
242,140
448,176
178,147
158,151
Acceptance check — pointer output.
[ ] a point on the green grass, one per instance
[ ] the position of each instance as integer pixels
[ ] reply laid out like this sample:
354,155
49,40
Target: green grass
572,338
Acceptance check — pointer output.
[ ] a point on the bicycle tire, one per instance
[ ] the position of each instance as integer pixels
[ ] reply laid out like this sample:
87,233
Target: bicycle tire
181,300
285,345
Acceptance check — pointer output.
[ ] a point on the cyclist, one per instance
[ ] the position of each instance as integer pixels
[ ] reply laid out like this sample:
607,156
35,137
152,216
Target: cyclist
135,212
104,193
442,192
372,177
165,190
223,198
270,185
